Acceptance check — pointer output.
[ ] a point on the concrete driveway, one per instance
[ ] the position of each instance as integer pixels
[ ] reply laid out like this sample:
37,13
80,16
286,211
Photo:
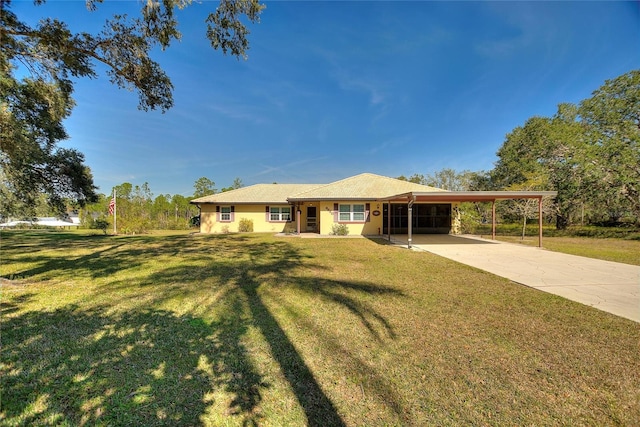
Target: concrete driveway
608,286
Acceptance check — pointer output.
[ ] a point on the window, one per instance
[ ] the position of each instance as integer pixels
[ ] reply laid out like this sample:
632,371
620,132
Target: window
351,213
280,213
225,213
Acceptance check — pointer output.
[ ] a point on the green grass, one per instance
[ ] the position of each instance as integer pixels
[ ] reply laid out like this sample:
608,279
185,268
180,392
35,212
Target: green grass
609,249
256,330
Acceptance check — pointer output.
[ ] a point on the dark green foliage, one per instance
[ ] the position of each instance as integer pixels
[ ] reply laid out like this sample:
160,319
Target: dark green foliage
33,108
203,187
101,224
612,124
589,154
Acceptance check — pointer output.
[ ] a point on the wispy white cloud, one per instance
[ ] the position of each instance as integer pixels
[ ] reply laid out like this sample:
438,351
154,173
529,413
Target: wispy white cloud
242,112
527,28
285,170
369,86
392,143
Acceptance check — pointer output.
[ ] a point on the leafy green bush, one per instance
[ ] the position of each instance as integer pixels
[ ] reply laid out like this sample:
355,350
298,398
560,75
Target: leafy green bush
339,230
100,224
245,225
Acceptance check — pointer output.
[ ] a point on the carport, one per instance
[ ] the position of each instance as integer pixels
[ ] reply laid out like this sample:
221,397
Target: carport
412,198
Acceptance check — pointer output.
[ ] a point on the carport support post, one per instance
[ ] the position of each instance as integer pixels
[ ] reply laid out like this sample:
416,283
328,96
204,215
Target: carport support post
389,220
410,222
539,222
493,220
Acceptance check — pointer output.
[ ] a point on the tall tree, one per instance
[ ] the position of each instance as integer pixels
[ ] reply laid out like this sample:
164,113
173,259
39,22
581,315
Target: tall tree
612,122
31,115
203,187
526,209
549,151
450,179
33,108
237,183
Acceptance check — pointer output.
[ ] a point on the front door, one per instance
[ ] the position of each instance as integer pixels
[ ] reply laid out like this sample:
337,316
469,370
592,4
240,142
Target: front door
312,219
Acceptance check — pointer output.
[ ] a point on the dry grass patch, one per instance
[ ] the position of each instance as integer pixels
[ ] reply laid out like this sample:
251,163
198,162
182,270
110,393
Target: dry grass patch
256,330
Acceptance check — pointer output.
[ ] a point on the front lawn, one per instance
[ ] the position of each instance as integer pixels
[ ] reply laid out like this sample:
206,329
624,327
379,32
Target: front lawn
608,249
256,330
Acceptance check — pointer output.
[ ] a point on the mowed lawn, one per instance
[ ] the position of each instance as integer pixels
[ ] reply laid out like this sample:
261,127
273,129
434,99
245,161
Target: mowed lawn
258,330
611,249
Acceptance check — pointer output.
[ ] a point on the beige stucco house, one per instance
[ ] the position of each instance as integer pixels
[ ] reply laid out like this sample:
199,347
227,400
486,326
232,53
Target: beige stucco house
367,204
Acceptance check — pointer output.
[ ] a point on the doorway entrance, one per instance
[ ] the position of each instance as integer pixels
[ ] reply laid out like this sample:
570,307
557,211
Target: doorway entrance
312,219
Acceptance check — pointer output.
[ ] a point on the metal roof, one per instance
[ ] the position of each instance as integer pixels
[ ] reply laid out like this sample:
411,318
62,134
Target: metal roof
366,186
256,194
470,196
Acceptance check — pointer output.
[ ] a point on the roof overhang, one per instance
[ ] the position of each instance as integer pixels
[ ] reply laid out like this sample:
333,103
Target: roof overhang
416,196
228,202
328,199
470,196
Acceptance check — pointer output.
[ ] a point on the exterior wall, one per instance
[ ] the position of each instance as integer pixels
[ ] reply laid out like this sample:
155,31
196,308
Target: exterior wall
370,227
255,213
325,214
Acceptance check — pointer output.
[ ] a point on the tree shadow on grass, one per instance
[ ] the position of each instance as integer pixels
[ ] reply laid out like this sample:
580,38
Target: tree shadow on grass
152,366
253,267
104,256
75,367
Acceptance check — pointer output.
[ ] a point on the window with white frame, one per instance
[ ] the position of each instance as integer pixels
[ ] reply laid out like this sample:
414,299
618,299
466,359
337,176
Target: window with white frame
351,213
280,213
225,213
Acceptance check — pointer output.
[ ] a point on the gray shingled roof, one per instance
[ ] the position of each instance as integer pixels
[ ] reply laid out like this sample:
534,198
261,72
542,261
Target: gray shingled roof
259,194
366,186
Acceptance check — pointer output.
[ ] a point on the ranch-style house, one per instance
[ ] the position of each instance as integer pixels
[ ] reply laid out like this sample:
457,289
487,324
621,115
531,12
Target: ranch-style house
367,204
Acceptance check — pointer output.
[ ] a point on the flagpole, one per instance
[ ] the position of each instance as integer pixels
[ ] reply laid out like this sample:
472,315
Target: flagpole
115,210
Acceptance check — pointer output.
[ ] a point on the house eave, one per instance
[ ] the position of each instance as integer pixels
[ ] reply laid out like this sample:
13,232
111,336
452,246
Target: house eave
470,196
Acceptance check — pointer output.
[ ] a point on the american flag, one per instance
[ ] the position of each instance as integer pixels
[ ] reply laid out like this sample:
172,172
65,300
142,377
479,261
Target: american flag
112,205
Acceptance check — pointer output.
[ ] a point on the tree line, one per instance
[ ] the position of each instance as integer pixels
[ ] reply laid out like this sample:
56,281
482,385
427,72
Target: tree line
138,211
589,153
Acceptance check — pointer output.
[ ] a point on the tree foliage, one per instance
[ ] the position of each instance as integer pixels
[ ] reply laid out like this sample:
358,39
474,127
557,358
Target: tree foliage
237,183
137,211
33,108
612,124
550,151
589,154
203,187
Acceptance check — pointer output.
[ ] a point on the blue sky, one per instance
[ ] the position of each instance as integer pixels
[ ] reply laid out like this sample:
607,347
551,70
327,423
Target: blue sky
333,89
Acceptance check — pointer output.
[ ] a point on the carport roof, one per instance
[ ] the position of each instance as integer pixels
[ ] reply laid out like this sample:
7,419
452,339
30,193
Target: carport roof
469,196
